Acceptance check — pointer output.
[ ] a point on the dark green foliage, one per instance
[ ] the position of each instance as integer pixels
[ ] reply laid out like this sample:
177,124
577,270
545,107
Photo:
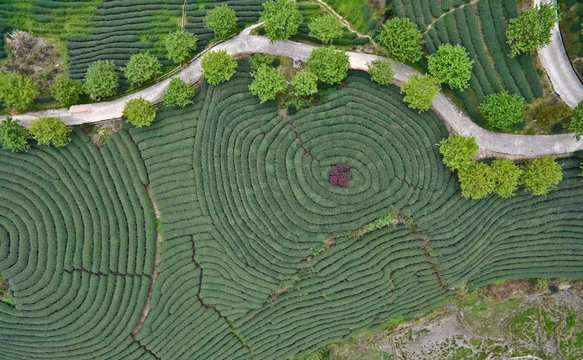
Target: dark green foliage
218,66
402,40
451,65
419,91
541,175
180,45
13,137
305,83
506,177
281,17
458,151
381,71
268,83
101,79
66,91
141,68
532,29
258,59
326,28
50,131
576,123
503,110
17,91
178,93
222,20
139,112
329,65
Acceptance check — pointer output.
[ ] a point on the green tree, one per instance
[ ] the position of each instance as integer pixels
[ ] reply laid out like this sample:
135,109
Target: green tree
476,181
258,59
178,93
180,45
268,83
451,65
281,18
139,112
222,21
305,83
50,130
506,176
457,151
419,91
326,28
329,65
66,91
541,175
402,40
502,110
531,30
218,66
381,71
17,91
141,68
101,79
13,136
576,123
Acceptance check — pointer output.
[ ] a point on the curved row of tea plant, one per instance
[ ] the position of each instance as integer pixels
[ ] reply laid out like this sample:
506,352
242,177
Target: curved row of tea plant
77,236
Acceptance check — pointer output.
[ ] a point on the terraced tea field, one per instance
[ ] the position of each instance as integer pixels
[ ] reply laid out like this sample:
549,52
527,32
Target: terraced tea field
260,256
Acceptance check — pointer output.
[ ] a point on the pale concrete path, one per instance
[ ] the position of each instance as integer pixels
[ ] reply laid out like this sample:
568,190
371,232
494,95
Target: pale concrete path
558,66
453,117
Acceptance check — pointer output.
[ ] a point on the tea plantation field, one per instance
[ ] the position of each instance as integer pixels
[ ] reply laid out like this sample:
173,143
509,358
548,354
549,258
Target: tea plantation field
260,256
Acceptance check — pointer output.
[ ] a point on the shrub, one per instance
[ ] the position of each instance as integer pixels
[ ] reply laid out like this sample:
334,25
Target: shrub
268,83
458,151
13,136
218,66
66,91
451,65
282,19
222,21
476,181
541,175
141,68
576,123
17,91
381,71
258,59
329,65
531,30
50,130
180,45
139,112
339,175
178,93
402,40
326,28
305,83
506,176
419,91
502,110
101,79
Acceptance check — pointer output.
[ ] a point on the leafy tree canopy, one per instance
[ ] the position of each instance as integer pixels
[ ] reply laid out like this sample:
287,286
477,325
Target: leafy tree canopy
305,83
329,65
101,79
419,91
13,136
381,71
282,19
576,124
402,40
457,151
451,65
139,112
502,110
222,20
476,181
178,93
268,83
218,66
180,45
66,91
531,30
17,91
506,176
541,175
326,28
258,59
50,130
141,68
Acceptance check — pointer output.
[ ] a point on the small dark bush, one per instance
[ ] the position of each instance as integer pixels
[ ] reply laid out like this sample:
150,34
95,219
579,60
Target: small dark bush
557,128
339,175
292,109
